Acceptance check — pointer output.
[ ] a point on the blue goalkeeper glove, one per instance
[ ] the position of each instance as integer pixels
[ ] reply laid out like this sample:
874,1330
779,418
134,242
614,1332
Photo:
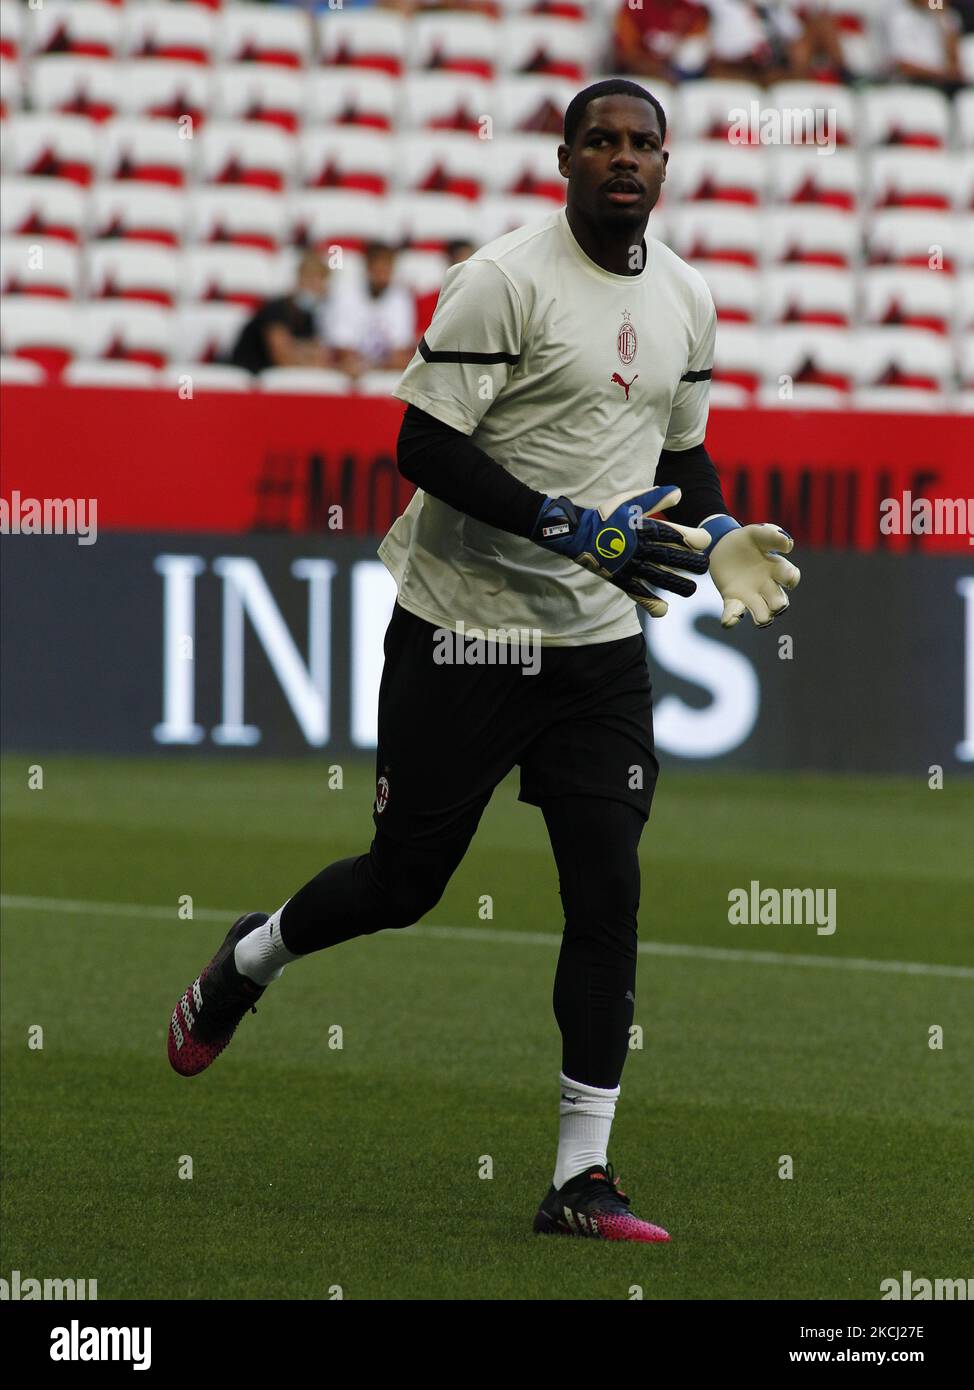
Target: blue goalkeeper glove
748,566
626,543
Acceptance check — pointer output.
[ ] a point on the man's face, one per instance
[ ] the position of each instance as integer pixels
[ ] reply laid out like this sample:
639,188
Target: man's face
616,165
378,271
312,278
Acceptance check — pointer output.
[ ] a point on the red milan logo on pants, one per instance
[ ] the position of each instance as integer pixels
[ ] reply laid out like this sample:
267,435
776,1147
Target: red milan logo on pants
381,795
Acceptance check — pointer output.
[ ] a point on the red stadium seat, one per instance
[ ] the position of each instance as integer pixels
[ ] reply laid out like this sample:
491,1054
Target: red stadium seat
904,360
142,150
811,236
451,42
352,97
430,221
739,356
704,171
810,294
137,212
166,89
523,166
207,332
333,218
546,44
239,152
119,332
363,39
74,86
238,217
909,298
235,275
126,270
74,26
442,161
268,34
253,92
444,101
913,179
905,115
829,114
53,147
704,109
42,208
900,236
45,331
809,355
534,103
355,158
44,266
737,291
703,232
184,33
802,176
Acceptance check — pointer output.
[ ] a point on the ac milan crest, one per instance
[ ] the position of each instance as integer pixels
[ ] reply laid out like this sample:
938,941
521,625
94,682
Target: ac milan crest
626,341
381,795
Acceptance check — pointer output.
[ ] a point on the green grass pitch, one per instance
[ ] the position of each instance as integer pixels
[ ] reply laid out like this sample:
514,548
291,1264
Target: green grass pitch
316,1168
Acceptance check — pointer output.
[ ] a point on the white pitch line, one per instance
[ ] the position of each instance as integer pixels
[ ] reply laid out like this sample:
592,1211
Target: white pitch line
497,936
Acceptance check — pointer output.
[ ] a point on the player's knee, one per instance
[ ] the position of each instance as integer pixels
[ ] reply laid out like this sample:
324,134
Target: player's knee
409,886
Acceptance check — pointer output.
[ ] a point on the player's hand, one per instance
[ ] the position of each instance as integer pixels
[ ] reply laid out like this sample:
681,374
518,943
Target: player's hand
748,566
626,543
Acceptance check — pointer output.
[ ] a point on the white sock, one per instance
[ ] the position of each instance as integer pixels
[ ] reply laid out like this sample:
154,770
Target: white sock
583,1132
262,955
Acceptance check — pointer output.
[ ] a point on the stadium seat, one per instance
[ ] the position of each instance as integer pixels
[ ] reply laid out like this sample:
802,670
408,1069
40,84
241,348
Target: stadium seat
143,150
12,23
705,171
332,218
74,86
534,103
909,298
42,207
523,166
111,374
966,364
52,147
184,33
304,381
739,355
788,395
800,355
207,333
882,400
238,216
421,271
39,266
737,291
241,152
811,236
123,270
704,109
160,88
444,101
201,376
905,115
235,274
913,179
964,195
122,332
253,92
810,294
82,27
538,43
701,231
964,307
900,236
803,176
263,34
347,157
443,161
340,97
725,395
829,115
377,383
498,215
430,221
45,331
446,41
363,38
18,371
137,212
906,359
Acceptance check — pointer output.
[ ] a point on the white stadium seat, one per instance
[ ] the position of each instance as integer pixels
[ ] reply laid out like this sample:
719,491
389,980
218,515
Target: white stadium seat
235,274
362,38
241,152
445,101
905,115
804,177
45,266
123,332
811,236
901,236
351,97
18,371
703,109
205,333
42,207
111,374
336,218
161,88
701,231
909,298
811,355
304,381
201,376
184,33
47,331
239,216
430,221
347,157
809,294
51,146
74,86
535,102
828,115
539,43
133,271
144,150
737,291
73,26
704,171
451,42
913,179
259,92
270,35
137,212
523,166
442,161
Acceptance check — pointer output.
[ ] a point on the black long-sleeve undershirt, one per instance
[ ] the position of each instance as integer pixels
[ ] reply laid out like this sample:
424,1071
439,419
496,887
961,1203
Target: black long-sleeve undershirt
445,463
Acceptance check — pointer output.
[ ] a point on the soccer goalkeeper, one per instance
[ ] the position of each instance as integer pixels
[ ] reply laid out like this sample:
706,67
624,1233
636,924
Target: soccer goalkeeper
555,423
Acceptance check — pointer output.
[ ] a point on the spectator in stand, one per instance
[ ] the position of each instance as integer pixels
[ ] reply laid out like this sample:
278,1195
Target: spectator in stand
371,322
756,42
457,251
923,45
661,38
285,332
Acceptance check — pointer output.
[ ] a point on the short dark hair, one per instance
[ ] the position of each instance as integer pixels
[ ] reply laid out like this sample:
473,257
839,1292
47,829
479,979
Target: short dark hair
612,86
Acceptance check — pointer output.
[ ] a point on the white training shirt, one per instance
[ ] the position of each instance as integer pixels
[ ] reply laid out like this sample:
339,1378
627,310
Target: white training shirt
574,379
